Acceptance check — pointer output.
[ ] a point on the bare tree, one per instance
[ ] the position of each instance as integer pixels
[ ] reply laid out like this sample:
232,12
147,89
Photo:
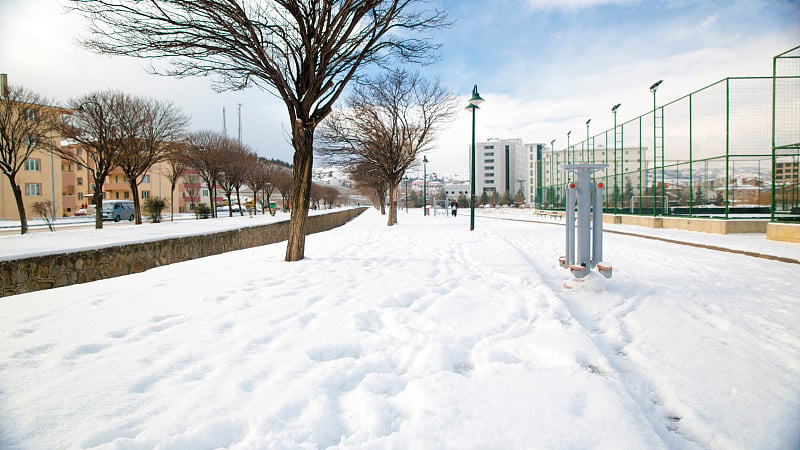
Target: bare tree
191,186
256,178
387,123
283,181
330,194
152,130
304,51
97,129
176,169
234,167
370,179
204,154
25,123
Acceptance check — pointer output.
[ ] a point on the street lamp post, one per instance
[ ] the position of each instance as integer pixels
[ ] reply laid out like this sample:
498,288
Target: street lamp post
616,168
473,105
405,180
424,185
653,89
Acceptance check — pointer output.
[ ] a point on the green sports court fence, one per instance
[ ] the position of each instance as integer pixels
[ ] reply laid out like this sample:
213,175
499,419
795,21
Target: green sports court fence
730,149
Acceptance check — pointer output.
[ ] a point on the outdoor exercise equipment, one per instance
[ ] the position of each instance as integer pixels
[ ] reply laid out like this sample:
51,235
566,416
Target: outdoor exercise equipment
584,243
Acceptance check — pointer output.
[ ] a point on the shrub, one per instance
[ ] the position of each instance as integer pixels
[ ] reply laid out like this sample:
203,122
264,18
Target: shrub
153,206
43,209
202,211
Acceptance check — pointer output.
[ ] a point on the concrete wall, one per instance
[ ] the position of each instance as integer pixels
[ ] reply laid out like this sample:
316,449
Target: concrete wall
788,232
717,226
44,272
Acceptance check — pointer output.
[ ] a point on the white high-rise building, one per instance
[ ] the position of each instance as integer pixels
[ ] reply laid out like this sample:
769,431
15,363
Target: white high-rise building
500,166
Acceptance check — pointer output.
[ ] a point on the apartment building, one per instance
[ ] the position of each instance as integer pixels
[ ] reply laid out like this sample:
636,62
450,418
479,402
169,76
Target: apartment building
787,172
40,177
500,166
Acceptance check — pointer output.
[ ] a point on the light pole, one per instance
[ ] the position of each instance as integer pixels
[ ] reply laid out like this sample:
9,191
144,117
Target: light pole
587,141
616,169
568,133
405,180
653,89
473,105
424,185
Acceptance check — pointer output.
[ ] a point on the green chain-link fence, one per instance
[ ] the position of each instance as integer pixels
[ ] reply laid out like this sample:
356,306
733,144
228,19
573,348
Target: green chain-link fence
707,154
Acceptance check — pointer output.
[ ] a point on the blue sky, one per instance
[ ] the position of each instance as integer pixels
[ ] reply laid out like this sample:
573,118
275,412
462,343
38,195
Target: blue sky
544,67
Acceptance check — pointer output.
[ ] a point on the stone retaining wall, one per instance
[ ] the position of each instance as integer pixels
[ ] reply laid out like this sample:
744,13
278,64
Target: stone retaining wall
44,272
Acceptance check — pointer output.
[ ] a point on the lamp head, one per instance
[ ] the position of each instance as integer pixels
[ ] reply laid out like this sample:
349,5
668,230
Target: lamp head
552,142
615,108
425,159
476,98
655,85
569,132
587,121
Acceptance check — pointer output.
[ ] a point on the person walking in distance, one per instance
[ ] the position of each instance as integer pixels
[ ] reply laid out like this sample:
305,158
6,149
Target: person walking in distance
454,208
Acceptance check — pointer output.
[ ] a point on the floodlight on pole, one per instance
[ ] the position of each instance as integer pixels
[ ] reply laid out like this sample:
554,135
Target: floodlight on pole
616,181
654,86
587,141
474,101
425,185
568,133
653,89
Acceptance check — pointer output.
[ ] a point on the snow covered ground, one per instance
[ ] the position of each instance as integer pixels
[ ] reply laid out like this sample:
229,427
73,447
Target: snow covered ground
422,335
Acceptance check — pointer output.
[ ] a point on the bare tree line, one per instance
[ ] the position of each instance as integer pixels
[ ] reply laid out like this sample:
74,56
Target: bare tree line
303,51
107,130
384,126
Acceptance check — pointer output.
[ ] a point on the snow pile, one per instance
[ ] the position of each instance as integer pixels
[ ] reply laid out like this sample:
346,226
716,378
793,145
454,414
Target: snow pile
422,335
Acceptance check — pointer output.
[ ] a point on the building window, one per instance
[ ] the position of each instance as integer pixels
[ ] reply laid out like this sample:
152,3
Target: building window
80,195
488,147
33,189
488,168
31,115
205,193
78,152
491,174
80,181
145,194
488,161
31,140
32,165
489,181
117,195
145,178
127,194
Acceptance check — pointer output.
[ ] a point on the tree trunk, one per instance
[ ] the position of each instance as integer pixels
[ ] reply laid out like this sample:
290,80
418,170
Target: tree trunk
172,203
392,204
230,207
23,218
98,205
301,193
137,207
239,202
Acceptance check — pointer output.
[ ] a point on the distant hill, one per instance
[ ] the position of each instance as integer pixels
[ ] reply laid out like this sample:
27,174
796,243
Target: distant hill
277,162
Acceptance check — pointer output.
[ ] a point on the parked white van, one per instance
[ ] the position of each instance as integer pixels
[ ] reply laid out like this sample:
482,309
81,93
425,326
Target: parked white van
117,210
